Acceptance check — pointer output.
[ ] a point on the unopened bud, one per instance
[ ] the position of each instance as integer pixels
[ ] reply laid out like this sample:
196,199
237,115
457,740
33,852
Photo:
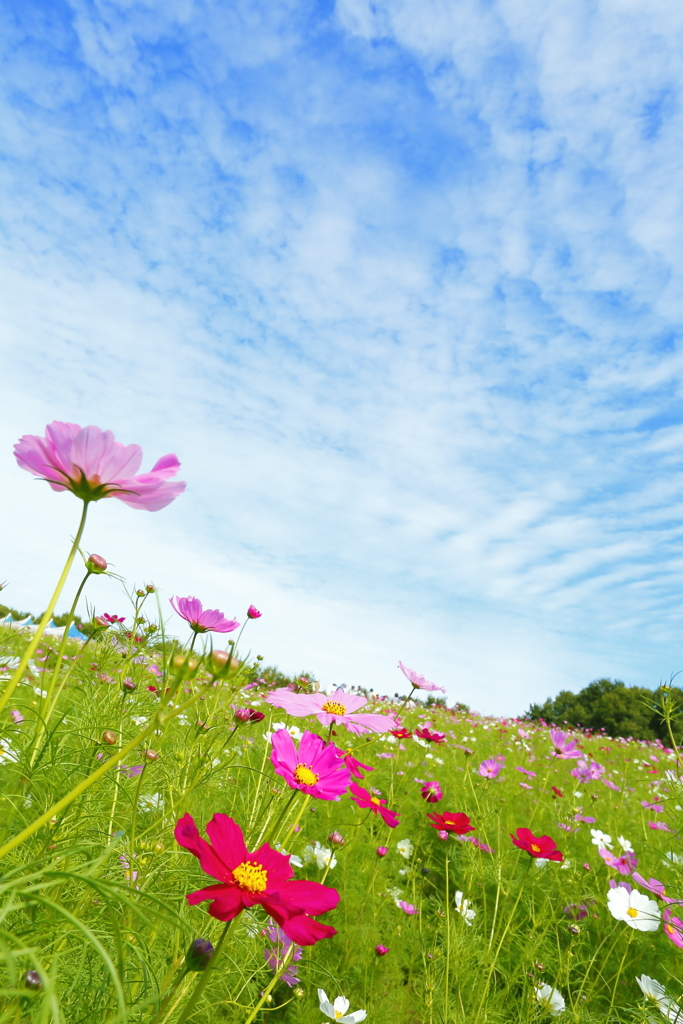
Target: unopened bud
159,847
241,714
100,621
219,659
96,563
150,755
299,992
129,684
109,736
253,613
198,955
33,980
141,593
336,838
150,588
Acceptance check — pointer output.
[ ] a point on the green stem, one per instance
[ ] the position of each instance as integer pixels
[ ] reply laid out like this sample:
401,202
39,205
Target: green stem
448,942
204,978
31,649
618,975
285,964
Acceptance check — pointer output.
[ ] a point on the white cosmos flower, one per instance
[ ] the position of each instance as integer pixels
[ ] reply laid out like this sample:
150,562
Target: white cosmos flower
601,838
293,731
672,858
463,907
551,999
405,848
625,844
320,854
635,908
652,989
337,1011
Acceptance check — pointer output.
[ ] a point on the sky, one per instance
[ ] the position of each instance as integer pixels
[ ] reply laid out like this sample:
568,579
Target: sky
400,283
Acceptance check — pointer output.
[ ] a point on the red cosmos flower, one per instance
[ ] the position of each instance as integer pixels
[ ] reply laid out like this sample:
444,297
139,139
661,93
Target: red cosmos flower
452,822
431,737
536,846
401,734
365,799
248,879
556,792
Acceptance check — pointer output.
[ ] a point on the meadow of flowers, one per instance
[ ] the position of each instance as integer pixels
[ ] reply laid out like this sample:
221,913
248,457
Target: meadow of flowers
183,839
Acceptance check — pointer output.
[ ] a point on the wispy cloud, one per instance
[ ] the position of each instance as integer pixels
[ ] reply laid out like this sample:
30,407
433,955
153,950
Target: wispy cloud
400,282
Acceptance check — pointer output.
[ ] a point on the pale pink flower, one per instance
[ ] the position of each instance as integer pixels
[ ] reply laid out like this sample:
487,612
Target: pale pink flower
659,826
338,707
91,464
407,908
418,681
564,746
16,717
489,769
202,620
673,928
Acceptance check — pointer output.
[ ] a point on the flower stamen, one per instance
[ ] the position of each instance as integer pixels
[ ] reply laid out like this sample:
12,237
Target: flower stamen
304,774
333,707
251,876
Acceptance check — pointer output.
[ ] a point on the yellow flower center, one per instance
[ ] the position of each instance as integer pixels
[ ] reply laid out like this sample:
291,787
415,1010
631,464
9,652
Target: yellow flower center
669,929
536,849
375,800
333,707
250,876
304,774
632,912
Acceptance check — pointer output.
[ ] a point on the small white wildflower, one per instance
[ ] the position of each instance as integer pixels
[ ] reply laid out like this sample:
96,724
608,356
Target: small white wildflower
337,1011
601,838
634,908
320,854
40,693
625,844
672,858
653,990
551,999
464,908
405,848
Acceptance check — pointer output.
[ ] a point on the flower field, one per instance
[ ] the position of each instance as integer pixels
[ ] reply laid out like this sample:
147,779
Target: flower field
183,837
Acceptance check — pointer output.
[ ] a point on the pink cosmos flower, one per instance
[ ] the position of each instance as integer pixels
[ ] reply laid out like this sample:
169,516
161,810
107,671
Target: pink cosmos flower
659,826
407,908
479,845
431,736
275,956
588,771
355,766
253,613
16,717
431,792
374,803
525,785
262,878
611,785
624,864
88,462
565,746
339,707
382,851
381,950
201,620
489,769
527,771
419,682
655,808
673,928
315,768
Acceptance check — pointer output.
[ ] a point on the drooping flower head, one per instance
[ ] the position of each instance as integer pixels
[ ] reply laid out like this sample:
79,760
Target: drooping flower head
563,745
368,800
634,908
431,792
315,768
419,682
673,927
263,878
489,769
202,620
452,822
88,462
536,846
336,708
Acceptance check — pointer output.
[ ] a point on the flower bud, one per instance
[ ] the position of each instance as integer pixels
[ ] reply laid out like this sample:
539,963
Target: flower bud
96,564
381,950
33,980
100,621
150,588
241,714
336,838
129,684
198,955
140,593
382,851
253,613
299,992
109,736
150,755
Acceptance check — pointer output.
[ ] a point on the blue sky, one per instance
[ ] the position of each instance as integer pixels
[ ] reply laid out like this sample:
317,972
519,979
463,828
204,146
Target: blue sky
400,283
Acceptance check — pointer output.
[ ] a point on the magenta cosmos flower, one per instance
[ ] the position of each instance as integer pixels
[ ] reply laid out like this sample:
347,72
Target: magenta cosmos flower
339,707
262,878
315,768
431,792
489,769
374,803
564,747
202,620
91,464
253,613
418,681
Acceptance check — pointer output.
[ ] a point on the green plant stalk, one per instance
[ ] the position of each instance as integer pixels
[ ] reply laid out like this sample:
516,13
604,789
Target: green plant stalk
285,964
31,649
501,941
448,945
204,978
85,784
618,974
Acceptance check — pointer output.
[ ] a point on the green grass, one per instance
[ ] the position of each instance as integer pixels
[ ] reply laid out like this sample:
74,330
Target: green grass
110,946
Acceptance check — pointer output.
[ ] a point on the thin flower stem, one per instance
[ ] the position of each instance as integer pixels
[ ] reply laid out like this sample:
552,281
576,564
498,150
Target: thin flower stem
448,943
31,649
502,940
204,978
285,964
618,975
304,804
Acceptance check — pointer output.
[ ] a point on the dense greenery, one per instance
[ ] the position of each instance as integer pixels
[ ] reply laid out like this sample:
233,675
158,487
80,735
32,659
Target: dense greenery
608,705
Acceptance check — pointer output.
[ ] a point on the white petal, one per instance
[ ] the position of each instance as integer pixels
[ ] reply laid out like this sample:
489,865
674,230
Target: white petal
341,1005
325,1005
353,1018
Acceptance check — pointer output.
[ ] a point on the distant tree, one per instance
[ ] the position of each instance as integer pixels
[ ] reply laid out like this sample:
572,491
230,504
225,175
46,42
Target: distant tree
609,705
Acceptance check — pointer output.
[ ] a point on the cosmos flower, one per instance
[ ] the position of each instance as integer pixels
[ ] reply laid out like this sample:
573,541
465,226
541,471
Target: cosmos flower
401,734
634,908
451,822
315,768
374,803
407,908
563,745
536,846
489,769
88,462
337,1011
656,992
624,864
405,848
419,682
431,792
600,838
673,927
253,613
323,857
430,736
339,708
201,620
263,878
551,999
275,954
381,950
355,766
464,908
588,771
